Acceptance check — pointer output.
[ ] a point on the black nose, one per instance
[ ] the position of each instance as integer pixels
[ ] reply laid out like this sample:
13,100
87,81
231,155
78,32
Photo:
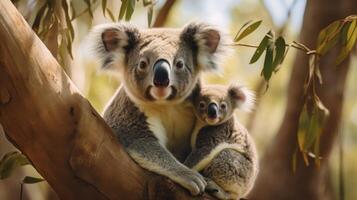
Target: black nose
212,110
161,73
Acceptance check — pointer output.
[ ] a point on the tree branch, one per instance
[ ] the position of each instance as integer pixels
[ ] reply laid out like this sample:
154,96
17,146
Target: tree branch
67,141
163,13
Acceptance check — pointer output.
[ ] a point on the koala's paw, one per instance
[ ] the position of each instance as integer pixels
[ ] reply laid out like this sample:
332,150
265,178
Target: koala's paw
192,181
215,190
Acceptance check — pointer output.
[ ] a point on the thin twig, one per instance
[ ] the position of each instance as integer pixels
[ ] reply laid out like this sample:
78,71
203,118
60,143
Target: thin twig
305,49
243,45
21,190
341,168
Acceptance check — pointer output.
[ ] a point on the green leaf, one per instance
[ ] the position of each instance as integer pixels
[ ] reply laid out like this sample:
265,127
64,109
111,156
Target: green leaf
89,5
39,16
344,33
329,37
130,9
73,13
303,124
111,16
68,18
147,2
261,48
31,180
279,51
327,31
123,8
104,6
150,13
241,28
268,62
69,44
248,30
351,41
312,65
10,162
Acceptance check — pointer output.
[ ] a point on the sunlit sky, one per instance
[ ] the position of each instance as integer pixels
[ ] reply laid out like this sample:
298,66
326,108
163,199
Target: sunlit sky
215,12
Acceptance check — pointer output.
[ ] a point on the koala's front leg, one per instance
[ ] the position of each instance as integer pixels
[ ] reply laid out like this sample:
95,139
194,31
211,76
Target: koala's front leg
216,190
149,154
199,159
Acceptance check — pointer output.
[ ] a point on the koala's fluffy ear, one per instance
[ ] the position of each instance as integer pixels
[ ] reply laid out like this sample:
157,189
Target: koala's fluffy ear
208,44
241,97
112,42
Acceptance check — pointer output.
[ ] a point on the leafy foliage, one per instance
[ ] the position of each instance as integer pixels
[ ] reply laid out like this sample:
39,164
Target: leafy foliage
10,162
314,113
13,160
31,180
251,28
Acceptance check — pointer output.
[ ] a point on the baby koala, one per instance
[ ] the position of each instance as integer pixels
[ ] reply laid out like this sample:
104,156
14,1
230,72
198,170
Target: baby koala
222,149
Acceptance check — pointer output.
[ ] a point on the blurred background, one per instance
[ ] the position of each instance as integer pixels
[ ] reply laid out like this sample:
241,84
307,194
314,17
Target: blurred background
285,17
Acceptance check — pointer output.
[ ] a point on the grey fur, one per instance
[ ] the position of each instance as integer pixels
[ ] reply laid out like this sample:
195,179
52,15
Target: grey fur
147,127
232,169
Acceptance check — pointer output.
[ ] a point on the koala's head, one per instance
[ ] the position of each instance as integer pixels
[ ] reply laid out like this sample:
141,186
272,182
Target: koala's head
158,65
215,104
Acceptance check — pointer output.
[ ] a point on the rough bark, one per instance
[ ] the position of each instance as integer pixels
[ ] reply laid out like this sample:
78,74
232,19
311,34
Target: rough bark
276,179
45,116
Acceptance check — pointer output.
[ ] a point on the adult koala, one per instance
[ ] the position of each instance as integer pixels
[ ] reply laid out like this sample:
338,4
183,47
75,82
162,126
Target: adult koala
151,113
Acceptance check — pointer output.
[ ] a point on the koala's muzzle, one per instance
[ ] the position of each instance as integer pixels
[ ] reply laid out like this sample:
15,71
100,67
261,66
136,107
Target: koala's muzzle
212,110
161,73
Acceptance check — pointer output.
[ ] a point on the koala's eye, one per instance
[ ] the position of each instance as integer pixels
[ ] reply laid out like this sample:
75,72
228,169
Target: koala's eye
202,105
179,64
223,106
143,65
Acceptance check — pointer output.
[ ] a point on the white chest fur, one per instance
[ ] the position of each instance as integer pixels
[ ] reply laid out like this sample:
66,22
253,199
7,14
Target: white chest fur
172,125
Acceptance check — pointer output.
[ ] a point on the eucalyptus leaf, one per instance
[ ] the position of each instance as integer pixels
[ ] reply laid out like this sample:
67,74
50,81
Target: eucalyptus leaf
251,28
150,14
241,28
89,6
259,51
279,51
111,16
39,16
10,162
104,6
130,9
329,37
31,180
350,43
303,124
268,62
123,8
328,31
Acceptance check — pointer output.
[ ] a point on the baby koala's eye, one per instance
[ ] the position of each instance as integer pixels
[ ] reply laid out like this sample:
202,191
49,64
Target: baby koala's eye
223,106
202,105
143,65
179,64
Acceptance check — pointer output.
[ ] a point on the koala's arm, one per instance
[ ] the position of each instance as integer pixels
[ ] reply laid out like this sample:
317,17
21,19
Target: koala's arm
199,158
130,126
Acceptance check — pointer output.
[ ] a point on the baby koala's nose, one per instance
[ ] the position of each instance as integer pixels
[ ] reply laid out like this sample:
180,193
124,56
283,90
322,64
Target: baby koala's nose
212,110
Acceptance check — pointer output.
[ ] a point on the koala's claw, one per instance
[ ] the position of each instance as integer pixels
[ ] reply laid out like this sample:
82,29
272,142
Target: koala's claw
192,181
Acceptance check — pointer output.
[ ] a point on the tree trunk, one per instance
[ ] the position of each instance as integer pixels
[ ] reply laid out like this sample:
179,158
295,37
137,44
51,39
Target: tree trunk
276,179
44,116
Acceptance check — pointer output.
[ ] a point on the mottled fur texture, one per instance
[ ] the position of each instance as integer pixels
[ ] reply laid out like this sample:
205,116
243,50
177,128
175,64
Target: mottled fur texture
223,150
156,131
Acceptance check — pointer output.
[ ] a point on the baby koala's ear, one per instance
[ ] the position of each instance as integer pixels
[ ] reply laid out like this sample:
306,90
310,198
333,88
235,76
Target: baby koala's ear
111,42
241,97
